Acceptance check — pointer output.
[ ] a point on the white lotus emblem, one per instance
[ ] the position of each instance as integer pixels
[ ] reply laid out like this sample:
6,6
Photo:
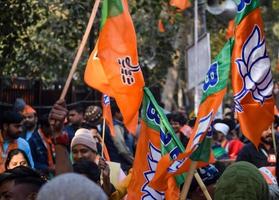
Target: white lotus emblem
254,68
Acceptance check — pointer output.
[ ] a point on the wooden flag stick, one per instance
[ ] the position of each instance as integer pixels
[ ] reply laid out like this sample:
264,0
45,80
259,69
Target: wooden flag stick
103,136
80,49
188,180
202,186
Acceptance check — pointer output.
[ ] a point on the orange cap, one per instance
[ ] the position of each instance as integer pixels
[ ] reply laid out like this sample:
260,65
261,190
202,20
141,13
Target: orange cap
28,110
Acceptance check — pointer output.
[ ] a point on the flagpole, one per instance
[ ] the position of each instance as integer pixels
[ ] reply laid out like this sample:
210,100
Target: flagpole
80,50
202,186
103,136
188,180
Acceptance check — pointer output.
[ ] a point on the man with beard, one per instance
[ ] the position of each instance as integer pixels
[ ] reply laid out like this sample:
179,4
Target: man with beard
264,155
29,122
11,129
75,119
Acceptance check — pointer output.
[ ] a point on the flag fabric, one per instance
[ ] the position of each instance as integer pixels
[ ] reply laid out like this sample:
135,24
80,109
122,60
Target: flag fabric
156,138
230,29
251,73
161,26
181,4
107,113
199,145
113,66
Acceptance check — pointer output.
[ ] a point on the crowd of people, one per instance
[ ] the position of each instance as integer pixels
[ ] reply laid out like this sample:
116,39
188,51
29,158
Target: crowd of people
42,157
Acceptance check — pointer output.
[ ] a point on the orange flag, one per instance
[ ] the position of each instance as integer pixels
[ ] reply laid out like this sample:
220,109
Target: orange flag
251,73
149,151
113,66
199,145
181,4
161,26
230,29
107,113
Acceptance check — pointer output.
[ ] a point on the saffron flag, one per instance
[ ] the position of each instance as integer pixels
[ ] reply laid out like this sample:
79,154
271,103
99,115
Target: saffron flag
251,73
107,113
113,66
230,29
181,4
198,147
156,138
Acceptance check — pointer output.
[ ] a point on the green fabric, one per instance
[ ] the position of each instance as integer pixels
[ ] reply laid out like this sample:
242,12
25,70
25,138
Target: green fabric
161,125
223,60
219,152
203,151
245,11
110,8
241,181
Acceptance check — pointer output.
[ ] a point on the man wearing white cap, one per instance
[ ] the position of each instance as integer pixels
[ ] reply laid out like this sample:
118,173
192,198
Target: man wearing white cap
222,130
84,147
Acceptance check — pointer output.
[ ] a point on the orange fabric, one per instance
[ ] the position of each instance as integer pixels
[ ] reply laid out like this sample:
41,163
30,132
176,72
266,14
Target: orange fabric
107,113
161,26
230,29
4,154
49,146
145,165
28,110
181,4
256,117
113,66
106,154
167,167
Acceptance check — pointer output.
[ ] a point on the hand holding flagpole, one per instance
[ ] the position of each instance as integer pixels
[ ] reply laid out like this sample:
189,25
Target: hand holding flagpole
80,50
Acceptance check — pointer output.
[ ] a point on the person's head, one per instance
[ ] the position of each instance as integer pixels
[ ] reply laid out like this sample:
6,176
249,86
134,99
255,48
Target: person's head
221,131
30,117
11,125
89,169
20,183
15,158
71,186
266,137
44,124
83,145
75,116
93,115
241,180
177,120
209,175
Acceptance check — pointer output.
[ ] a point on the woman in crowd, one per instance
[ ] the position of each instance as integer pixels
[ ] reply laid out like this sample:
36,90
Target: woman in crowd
16,157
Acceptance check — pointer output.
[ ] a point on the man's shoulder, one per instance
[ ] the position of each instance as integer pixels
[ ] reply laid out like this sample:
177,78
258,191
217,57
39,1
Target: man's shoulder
22,143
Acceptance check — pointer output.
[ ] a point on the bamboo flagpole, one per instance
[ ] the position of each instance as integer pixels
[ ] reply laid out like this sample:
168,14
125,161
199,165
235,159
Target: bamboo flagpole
202,186
103,136
80,49
188,180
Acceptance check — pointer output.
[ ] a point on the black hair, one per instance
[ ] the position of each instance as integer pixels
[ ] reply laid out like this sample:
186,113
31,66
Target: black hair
88,168
78,108
43,120
11,117
178,117
22,174
14,152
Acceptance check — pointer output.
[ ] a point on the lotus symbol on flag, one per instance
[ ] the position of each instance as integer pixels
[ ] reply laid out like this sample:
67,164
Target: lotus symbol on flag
254,69
242,4
127,70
